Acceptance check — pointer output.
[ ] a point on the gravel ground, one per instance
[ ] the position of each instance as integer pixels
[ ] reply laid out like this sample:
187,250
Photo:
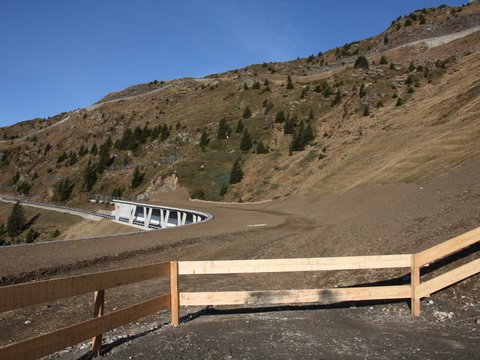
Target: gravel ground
398,218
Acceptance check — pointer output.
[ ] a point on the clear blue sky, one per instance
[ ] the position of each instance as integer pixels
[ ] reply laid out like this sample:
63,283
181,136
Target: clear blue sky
57,55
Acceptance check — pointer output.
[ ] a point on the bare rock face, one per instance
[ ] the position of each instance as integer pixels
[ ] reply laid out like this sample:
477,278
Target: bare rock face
161,184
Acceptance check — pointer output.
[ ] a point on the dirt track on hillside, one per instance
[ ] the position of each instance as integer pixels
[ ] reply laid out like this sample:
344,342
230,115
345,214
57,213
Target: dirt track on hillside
400,218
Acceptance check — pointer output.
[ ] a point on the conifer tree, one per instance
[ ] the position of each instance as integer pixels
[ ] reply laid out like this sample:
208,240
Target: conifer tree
246,142
204,140
261,149
94,149
165,132
297,143
89,176
223,130
223,190
240,127
62,190
308,135
383,60
125,140
366,111
247,113
104,156
32,234
280,117
137,178
362,91
15,178
236,174
361,63
16,220
289,126
289,83
47,149
338,98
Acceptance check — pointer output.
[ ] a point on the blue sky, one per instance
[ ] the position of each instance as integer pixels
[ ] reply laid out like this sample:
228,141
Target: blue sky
57,55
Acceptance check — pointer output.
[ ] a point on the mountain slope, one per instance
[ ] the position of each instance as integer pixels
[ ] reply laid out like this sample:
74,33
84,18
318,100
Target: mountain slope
406,117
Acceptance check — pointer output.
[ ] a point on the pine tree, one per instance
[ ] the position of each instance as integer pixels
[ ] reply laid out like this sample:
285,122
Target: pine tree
82,151
94,149
72,158
125,140
383,60
338,98
89,176
247,113
311,116
386,40
362,91
289,83
308,135
62,190
240,127
304,92
289,126
366,111
16,220
236,174
137,178
31,235
298,143
15,178
223,190
261,149
47,149
104,153
165,132
280,117
117,193
223,130
204,140
246,142
361,63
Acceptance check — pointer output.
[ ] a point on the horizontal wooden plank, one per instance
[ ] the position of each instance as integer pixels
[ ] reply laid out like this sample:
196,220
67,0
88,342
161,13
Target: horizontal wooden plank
291,265
448,247
16,296
60,339
449,278
265,297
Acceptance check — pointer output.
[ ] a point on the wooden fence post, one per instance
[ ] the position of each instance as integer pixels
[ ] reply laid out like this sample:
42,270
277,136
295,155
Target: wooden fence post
98,309
415,282
174,298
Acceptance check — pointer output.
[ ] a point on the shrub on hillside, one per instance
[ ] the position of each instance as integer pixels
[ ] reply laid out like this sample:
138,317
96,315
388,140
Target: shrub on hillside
62,190
289,83
16,221
247,113
236,174
361,63
137,178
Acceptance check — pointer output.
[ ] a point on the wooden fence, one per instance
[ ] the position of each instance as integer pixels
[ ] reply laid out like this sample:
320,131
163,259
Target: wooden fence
16,296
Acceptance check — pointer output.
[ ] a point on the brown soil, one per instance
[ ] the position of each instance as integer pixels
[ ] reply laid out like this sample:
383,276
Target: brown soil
402,218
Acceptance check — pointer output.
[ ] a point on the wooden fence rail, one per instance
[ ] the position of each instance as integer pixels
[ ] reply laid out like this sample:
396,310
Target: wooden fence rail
16,296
